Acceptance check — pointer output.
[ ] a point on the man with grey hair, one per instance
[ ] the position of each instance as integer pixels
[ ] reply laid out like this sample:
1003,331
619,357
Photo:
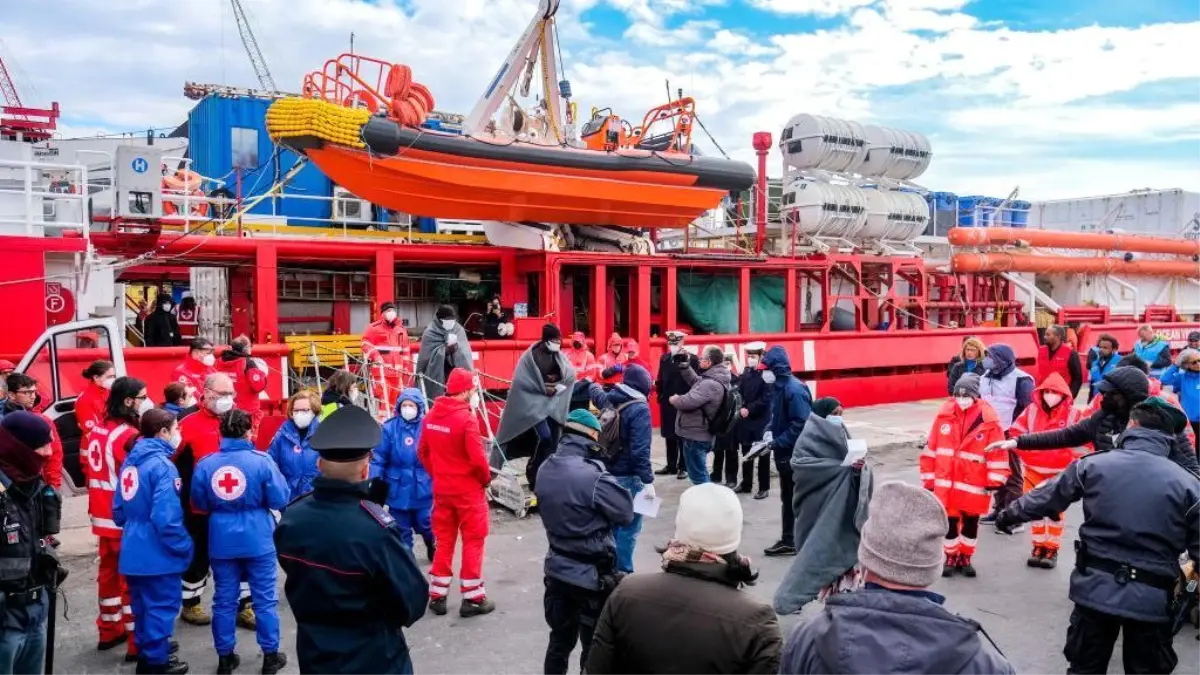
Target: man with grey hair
699,406
1056,356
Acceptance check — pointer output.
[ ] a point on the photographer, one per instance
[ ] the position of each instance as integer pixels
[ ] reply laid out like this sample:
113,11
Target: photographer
580,504
29,569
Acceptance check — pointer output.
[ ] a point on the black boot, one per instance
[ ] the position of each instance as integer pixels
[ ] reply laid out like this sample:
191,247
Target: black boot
106,645
665,471
965,566
172,649
438,606
228,663
430,546
273,663
950,566
175,667
1049,560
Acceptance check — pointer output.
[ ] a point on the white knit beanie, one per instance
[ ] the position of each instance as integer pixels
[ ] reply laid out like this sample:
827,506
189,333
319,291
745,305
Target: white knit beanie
902,538
710,518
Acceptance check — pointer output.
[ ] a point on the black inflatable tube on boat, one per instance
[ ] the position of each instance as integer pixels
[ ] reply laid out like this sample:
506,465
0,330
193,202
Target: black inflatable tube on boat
385,137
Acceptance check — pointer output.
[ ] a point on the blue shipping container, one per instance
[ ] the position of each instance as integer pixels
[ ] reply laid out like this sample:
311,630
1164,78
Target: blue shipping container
966,210
1020,213
225,134
943,201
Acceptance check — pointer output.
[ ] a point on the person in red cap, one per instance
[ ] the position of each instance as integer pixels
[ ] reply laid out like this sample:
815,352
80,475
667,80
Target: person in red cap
451,449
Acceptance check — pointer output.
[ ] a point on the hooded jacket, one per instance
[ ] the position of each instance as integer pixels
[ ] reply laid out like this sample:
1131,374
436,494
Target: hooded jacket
1140,509
1005,386
1186,384
956,465
249,380
791,406
291,448
450,448
1104,427
239,487
90,407
582,358
877,630
395,460
153,539
636,426
1039,417
192,374
580,503
701,402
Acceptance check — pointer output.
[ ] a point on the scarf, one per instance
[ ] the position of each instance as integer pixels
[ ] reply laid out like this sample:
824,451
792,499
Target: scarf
18,461
692,561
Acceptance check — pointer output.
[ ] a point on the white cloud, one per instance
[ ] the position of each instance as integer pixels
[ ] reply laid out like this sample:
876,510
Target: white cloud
810,7
121,67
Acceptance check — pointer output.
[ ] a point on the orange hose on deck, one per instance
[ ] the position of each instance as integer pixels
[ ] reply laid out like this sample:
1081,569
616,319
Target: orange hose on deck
983,236
1010,262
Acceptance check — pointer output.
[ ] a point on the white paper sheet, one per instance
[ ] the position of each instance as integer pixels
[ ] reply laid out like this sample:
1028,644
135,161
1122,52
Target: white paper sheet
646,506
856,450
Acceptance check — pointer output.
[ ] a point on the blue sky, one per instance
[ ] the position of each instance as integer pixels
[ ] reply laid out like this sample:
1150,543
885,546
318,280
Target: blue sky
1064,99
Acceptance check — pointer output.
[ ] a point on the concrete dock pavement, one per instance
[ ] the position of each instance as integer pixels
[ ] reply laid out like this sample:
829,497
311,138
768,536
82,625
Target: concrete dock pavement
1024,610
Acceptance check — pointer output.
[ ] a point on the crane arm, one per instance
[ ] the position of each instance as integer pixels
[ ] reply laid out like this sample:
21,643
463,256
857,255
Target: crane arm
252,50
525,50
7,89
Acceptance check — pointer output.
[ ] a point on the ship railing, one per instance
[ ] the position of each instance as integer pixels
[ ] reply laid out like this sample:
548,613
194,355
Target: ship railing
36,195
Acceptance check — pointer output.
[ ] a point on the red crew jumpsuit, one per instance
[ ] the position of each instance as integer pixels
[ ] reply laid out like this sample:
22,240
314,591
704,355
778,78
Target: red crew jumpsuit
959,470
192,374
249,380
385,348
107,446
451,449
1042,465
582,359
610,358
90,407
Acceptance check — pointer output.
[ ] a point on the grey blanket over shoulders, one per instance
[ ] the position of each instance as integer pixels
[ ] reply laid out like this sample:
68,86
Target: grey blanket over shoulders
831,507
528,403
431,360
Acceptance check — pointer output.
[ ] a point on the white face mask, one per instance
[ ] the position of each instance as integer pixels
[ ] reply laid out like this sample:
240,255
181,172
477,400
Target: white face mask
768,377
208,359
222,405
302,418
554,346
107,382
474,400
389,316
964,402
448,324
835,420
751,363
145,406
674,349
166,306
175,439
1052,399
354,394
188,402
408,412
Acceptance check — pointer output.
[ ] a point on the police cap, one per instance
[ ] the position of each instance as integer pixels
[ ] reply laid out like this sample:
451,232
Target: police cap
348,434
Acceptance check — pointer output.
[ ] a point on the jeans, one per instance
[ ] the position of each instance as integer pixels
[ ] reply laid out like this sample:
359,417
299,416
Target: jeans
571,614
22,650
1146,647
696,454
787,513
627,536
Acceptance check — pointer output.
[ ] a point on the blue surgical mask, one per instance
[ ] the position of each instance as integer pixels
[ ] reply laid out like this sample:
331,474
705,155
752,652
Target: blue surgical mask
988,363
835,419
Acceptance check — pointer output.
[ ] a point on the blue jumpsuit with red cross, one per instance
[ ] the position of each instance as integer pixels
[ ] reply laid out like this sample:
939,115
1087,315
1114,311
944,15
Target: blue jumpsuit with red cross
238,487
155,546
410,489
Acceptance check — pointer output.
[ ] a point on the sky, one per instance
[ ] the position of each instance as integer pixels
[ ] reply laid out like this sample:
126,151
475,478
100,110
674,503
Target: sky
1061,98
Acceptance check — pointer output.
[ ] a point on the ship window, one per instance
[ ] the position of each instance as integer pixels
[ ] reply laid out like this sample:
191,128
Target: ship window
245,148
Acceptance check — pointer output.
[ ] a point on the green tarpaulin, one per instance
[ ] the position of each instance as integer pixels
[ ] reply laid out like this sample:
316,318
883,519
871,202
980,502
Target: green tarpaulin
709,303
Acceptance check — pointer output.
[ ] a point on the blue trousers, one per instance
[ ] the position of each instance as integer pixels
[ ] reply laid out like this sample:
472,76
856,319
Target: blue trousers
696,453
627,536
413,520
155,601
261,573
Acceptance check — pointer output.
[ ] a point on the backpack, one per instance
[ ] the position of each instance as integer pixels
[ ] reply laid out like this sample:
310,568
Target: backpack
726,416
610,430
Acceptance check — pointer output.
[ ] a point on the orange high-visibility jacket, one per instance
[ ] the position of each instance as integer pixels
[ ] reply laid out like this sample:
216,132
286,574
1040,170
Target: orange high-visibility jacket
956,464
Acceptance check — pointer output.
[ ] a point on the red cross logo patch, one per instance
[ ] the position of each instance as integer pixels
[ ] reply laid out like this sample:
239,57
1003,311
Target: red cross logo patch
408,440
95,456
228,483
178,484
945,429
129,482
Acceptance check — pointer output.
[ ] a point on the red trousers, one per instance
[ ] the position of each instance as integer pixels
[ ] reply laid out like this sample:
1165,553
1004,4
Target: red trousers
386,384
116,617
466,516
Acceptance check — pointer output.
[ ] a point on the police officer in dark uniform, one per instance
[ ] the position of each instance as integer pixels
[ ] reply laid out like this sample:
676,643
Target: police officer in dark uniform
352,584
1141,510
30,511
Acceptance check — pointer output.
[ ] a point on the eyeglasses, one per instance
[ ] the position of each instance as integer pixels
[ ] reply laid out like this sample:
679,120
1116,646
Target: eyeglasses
26,392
